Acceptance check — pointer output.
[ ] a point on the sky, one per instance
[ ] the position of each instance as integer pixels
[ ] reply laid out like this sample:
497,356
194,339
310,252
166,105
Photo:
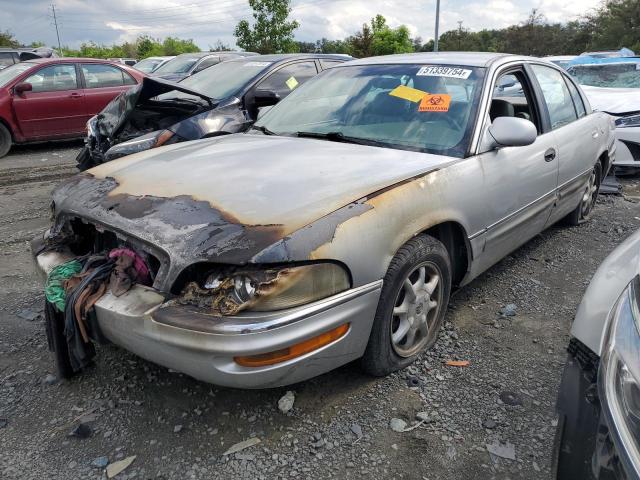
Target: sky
206,22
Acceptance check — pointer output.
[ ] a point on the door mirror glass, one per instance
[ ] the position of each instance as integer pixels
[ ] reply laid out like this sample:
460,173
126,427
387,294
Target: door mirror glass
266,98
513,132
23,87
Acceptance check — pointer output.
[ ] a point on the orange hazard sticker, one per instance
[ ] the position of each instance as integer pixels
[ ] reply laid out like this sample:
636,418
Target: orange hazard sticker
435,102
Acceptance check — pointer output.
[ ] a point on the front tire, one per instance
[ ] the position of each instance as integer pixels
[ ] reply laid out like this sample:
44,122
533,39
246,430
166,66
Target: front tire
583,211
412,306
5,140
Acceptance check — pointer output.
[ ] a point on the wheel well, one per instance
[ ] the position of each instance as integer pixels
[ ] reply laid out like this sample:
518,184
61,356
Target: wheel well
454,238
604,162
6,125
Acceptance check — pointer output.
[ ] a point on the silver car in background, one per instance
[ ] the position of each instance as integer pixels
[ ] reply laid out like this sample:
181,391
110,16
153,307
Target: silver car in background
598,435
335,229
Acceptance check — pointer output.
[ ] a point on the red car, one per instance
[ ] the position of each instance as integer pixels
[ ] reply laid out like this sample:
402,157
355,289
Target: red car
52,98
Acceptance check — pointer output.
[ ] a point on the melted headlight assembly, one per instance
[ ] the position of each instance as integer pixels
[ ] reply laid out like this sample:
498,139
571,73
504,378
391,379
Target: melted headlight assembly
228,292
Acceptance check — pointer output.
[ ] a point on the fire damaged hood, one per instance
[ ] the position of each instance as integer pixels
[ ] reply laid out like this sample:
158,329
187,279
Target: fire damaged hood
116,113
227,199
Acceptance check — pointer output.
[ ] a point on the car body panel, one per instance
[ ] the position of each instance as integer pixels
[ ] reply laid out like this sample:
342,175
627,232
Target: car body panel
56,114
263,199
611,278
232,114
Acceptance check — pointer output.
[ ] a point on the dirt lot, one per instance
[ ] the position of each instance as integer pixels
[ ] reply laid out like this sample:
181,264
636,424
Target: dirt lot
339,426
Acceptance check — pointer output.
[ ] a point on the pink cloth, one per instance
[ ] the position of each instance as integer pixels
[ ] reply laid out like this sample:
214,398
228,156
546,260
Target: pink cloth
138,263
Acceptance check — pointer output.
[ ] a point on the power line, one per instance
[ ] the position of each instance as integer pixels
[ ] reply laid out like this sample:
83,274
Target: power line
55,21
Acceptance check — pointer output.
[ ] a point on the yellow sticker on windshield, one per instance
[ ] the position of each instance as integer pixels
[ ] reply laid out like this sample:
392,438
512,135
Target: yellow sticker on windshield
292,83
407,93
437,102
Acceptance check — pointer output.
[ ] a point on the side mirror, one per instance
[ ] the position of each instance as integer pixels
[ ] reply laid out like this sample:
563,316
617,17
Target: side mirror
263,110
265,98
23,87
513,132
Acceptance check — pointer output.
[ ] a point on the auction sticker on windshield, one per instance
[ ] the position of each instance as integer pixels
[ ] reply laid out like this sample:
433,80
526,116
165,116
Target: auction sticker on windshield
439,71
257,64
292,83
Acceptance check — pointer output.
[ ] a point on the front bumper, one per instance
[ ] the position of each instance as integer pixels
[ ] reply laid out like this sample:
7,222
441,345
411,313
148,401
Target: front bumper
627,147
203,346
584,446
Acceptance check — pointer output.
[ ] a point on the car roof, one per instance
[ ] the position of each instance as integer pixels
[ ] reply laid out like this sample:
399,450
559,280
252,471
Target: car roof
68,60
281,57
470,59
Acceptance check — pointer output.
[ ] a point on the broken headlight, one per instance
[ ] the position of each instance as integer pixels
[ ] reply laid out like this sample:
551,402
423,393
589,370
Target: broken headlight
140,144
619,376
265,290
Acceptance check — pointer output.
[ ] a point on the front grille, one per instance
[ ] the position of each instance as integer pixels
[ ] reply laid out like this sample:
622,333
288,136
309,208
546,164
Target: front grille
91,239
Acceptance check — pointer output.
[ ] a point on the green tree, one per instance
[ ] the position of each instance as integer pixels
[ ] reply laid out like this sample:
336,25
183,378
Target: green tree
272,32
220,46
614,25
176,46
7,40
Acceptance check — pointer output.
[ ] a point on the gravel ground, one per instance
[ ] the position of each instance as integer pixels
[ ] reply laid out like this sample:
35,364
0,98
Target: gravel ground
341,423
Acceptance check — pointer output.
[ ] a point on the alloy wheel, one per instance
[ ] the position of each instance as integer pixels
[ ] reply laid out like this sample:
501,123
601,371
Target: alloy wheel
416,309
590,194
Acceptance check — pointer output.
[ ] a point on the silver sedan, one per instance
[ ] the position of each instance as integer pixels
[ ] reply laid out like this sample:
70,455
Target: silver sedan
337,227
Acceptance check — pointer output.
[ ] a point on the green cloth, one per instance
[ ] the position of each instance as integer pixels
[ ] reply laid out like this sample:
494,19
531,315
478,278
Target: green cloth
54,287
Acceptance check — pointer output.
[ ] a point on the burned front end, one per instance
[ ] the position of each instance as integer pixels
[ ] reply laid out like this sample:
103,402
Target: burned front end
202,307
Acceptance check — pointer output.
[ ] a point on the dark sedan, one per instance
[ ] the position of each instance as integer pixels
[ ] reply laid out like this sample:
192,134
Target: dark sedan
188,64
221,100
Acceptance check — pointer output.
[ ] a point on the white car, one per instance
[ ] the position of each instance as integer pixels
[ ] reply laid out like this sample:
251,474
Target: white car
598,434
614,88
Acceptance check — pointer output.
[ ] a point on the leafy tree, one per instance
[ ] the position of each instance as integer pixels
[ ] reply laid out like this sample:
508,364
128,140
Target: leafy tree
219,47
7,40
176,46
272,32
614,25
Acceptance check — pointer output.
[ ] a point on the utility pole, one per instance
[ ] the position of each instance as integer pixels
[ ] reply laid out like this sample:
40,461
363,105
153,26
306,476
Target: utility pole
435,41
459,34
55,22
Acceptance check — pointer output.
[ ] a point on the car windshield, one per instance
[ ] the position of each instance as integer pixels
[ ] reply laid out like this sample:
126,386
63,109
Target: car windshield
148,64
226,78
7,75
609,75
427,108
177,65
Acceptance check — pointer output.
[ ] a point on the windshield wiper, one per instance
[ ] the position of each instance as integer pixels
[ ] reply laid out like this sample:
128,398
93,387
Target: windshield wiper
340,137
263,129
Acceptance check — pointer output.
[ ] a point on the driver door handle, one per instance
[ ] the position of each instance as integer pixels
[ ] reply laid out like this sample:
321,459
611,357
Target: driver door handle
75,95
549,155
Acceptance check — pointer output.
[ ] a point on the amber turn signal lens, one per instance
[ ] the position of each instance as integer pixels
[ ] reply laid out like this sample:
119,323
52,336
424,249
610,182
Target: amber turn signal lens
271,358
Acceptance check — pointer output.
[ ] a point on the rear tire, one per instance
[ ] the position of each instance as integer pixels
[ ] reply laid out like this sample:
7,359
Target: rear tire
5,140
412,306
583,211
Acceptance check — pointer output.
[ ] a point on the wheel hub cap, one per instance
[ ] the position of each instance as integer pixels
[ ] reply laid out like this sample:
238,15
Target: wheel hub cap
416,308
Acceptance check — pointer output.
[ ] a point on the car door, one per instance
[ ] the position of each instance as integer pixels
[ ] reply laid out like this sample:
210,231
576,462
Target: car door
55,105
520,182
102,83
283,81
576,134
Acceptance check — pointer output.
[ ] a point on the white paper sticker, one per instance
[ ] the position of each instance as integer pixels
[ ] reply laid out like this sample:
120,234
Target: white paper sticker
257,64
440,71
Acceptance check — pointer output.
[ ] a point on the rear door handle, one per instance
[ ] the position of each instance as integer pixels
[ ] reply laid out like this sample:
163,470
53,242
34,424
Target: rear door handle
75,95
549,155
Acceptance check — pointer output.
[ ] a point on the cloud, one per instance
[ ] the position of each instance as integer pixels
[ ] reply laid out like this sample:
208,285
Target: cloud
206,21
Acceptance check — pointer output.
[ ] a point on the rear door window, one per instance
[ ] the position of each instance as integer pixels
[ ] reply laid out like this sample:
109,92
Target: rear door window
577,99
6,59
101,76
287,79
54,78
329,63
556,96
206,63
